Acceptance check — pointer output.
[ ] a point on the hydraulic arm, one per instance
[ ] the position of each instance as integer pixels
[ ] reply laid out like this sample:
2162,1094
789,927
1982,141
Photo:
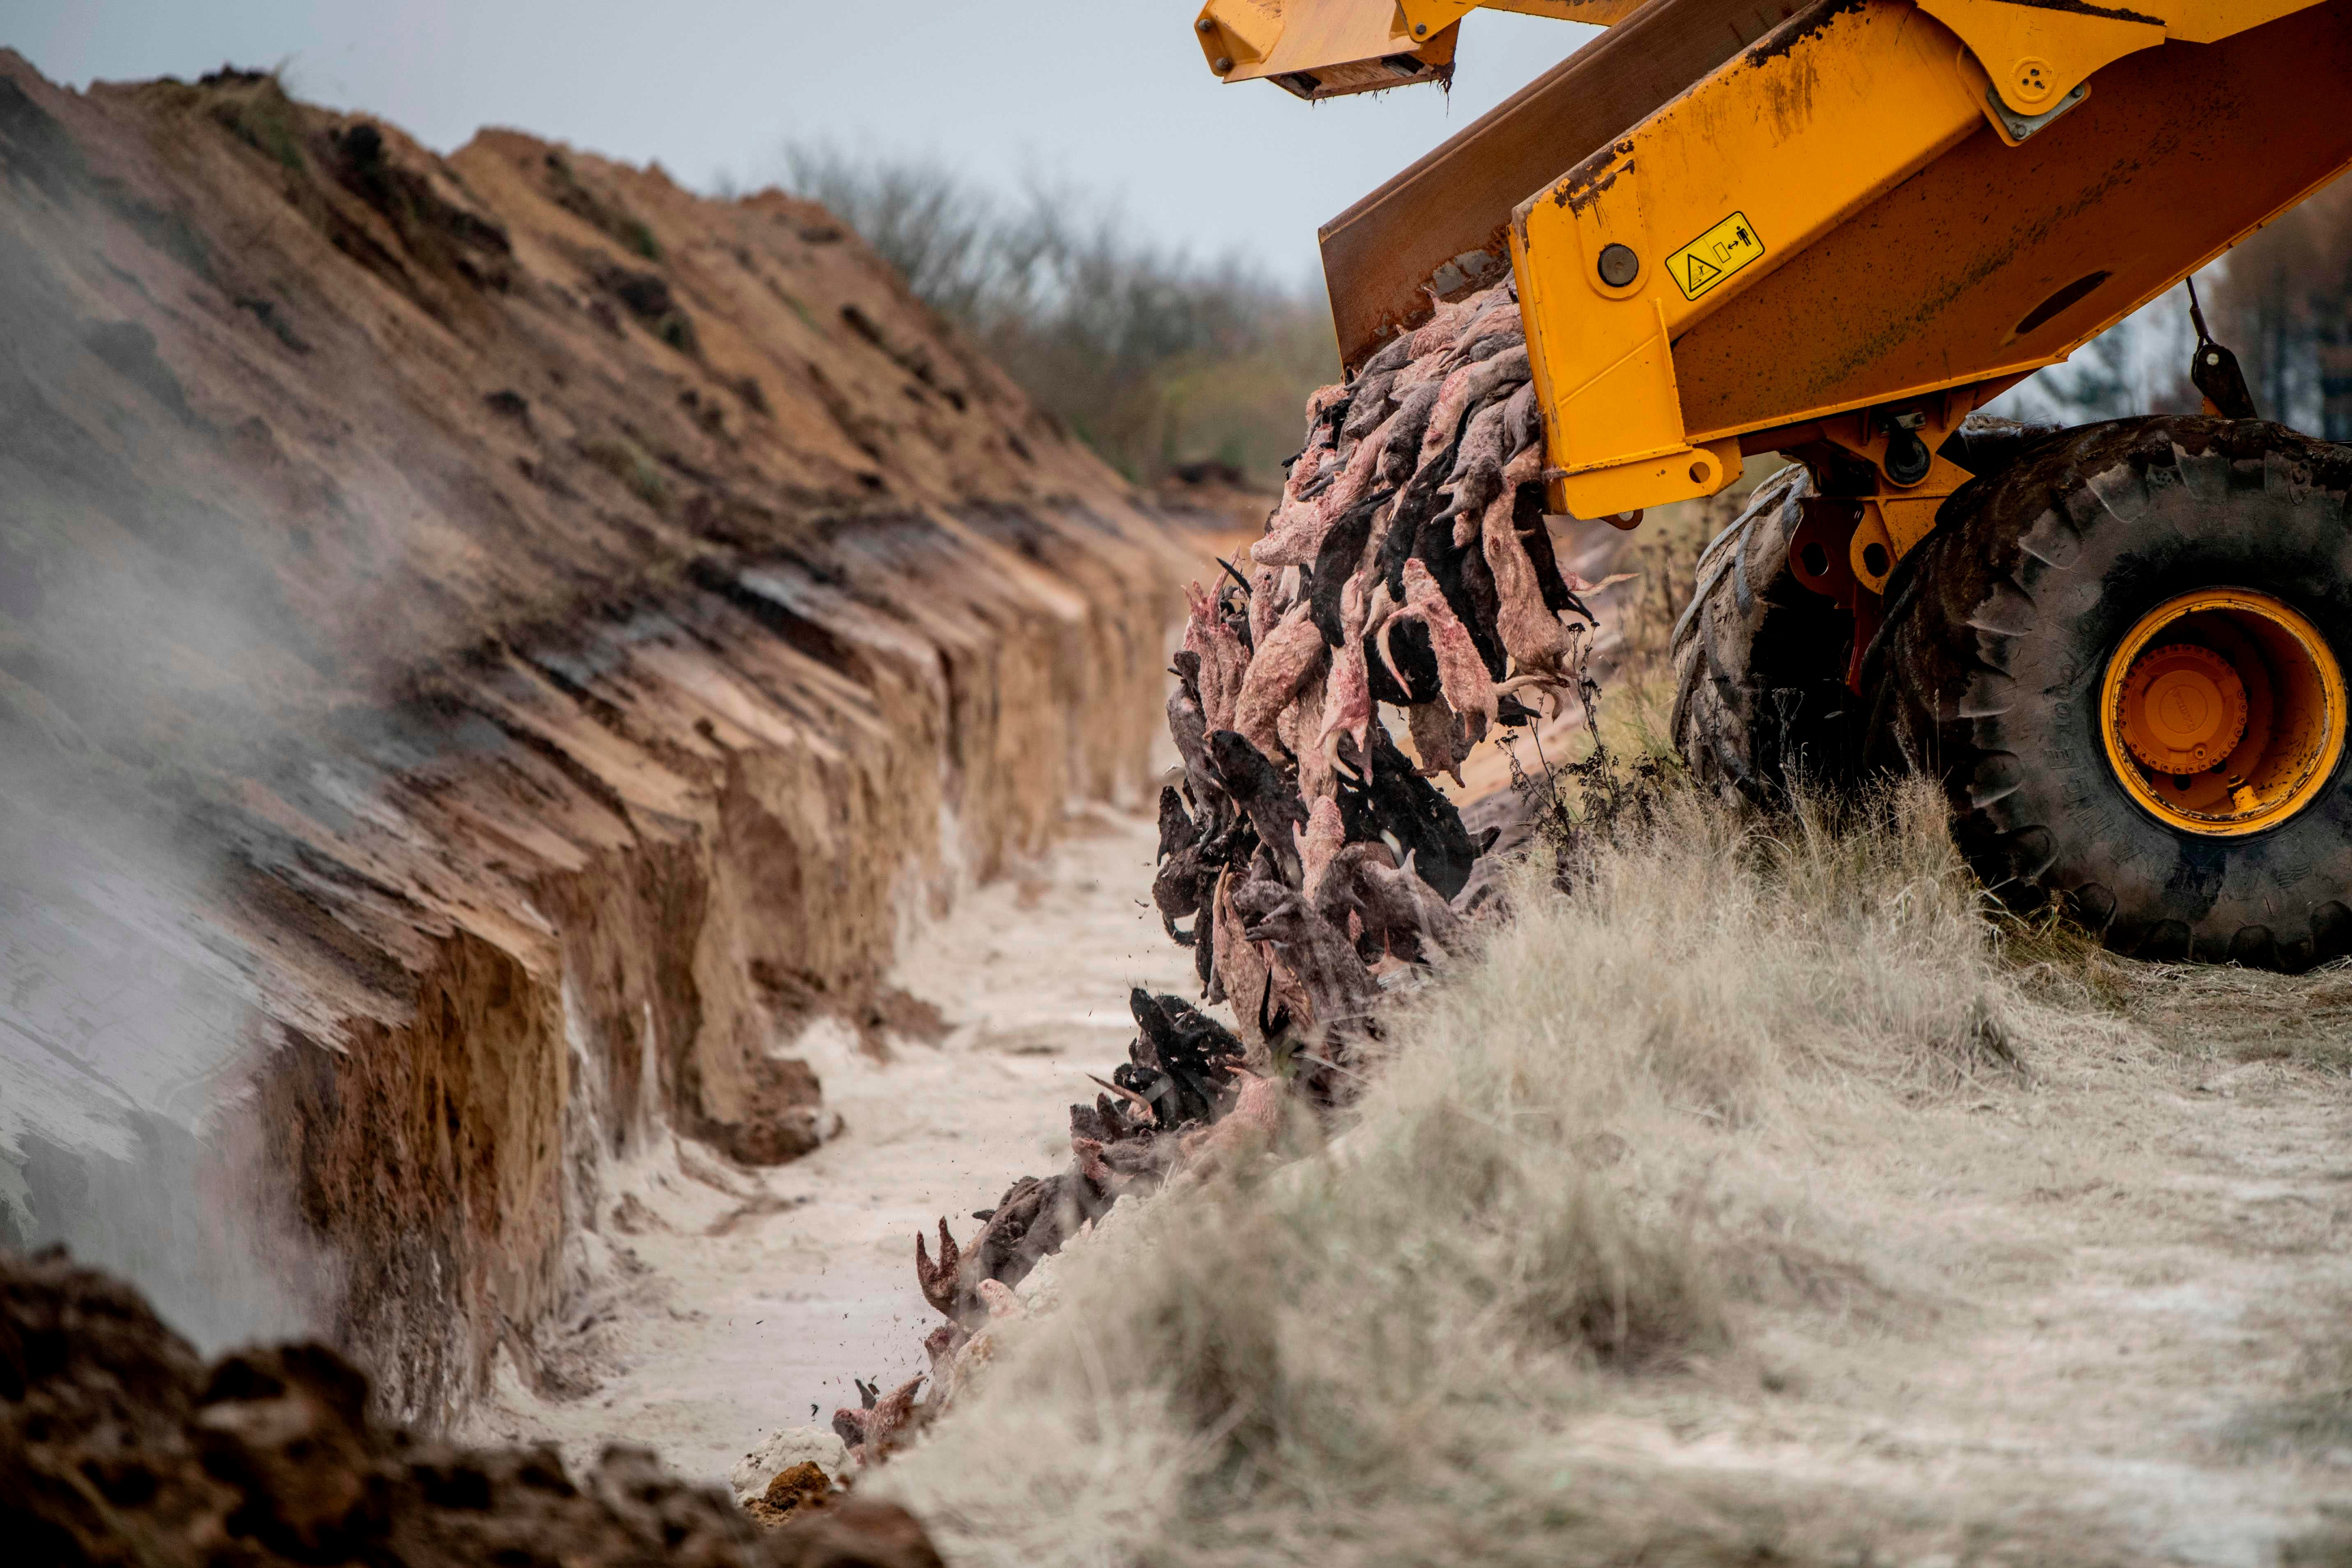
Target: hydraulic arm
1851,226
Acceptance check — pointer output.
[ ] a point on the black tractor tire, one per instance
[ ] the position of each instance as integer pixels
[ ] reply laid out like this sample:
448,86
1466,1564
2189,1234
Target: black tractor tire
1988,669
1760,661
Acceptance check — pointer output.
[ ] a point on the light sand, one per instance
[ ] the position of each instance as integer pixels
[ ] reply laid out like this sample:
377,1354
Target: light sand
764,1292
2122,1298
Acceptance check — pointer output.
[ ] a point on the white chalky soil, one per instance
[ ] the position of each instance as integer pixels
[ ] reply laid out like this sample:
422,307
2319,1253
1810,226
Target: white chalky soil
809,1279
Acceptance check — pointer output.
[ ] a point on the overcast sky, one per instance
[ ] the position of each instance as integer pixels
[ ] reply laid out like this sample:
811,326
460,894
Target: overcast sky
1107,94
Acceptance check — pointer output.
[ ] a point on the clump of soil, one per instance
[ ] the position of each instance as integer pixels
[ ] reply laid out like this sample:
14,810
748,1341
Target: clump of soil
796,1489
119,1446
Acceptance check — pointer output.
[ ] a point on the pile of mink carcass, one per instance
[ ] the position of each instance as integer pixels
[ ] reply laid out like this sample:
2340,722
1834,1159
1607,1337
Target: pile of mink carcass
1407,563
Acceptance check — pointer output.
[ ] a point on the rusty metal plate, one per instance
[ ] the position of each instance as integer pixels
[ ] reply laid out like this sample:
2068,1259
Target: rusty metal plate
1441,223
1995,259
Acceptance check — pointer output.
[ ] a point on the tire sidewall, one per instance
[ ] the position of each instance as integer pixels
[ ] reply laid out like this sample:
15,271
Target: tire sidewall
2204,523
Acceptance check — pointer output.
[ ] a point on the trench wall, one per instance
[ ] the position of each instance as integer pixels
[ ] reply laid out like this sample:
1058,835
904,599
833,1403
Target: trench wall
515,635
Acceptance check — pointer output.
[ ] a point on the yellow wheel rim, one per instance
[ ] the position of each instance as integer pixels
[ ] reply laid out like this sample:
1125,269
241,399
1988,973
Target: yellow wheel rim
2223,711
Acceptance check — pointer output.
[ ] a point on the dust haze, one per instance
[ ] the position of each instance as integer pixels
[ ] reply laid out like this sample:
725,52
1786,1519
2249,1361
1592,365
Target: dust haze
130,1017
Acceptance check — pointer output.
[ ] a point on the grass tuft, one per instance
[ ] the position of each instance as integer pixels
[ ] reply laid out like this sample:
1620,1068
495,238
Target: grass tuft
2202,1011
628,462
1566,1174
253,105
601,208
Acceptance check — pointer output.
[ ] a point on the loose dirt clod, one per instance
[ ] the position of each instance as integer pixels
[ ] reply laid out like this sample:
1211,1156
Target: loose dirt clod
118,1447
803,1485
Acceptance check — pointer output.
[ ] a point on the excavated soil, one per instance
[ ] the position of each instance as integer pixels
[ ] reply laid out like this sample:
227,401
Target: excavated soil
118,1445
488,646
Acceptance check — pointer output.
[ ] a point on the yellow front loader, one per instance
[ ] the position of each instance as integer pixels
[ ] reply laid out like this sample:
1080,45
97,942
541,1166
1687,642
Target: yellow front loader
1836,232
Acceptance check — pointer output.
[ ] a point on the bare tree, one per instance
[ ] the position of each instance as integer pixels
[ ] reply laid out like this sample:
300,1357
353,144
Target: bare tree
1152,355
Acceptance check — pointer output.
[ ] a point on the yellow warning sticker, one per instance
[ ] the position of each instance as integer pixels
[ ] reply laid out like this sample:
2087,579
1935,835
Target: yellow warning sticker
1715,255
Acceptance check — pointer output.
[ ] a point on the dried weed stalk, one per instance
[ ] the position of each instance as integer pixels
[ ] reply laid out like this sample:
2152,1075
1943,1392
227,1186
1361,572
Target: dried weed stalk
1573,1146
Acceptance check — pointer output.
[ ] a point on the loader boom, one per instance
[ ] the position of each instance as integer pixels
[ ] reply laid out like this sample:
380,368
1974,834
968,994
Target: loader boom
1737,226
1888,210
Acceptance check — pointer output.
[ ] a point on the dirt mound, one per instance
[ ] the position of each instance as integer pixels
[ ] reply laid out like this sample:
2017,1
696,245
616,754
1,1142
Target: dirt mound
506,639
119,1446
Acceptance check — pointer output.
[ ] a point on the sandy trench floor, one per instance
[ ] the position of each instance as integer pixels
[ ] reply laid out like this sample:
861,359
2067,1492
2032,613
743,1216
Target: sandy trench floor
747,1301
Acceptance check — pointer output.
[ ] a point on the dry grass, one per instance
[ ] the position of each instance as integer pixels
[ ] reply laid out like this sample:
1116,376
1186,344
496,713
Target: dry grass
2209,1012
1772,1197
1588,1153
2317,1423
